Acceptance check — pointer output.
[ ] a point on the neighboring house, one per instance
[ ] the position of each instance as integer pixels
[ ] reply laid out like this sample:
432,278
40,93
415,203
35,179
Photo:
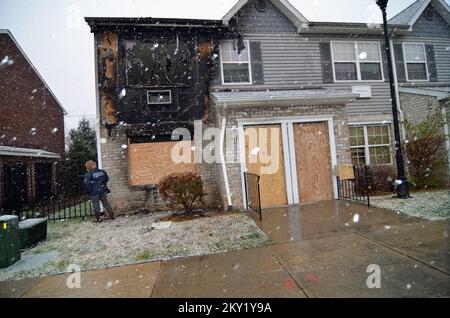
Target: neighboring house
422,61
31,129
316,92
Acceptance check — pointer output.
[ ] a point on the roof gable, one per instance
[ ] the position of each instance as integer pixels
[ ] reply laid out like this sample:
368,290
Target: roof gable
283,5
7,32
411,14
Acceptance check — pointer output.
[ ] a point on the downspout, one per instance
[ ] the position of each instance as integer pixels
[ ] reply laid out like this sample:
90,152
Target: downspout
97,106
397,93
222,158
446,133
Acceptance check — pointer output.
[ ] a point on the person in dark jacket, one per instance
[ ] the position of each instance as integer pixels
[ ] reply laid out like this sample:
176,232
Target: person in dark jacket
95,185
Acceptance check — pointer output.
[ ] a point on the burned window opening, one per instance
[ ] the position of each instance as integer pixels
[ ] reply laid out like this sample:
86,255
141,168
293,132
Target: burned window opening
167,60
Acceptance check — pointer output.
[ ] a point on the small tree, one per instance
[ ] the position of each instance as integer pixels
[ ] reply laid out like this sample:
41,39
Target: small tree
82,147
424,150
183,189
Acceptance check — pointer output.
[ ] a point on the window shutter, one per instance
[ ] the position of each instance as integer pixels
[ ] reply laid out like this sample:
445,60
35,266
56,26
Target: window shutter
431,63
384,58
327,64
216,76
257,63
399,62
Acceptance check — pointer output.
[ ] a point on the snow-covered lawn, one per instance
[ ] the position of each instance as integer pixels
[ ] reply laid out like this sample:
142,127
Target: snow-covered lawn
430,205
131,239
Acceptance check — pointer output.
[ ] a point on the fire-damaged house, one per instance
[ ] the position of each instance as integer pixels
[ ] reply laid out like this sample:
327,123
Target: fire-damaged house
262,91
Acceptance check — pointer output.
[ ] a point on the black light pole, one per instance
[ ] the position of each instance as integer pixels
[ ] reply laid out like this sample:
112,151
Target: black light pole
402,183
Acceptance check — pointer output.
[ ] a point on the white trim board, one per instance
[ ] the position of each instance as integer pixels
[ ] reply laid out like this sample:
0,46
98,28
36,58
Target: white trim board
424,91
287,124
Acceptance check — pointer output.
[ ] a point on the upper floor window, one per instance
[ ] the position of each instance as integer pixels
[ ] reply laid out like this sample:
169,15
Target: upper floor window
357,61
415,62
235,65
370,144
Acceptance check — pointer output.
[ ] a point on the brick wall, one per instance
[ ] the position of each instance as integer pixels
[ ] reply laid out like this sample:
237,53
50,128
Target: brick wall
416,108
29,115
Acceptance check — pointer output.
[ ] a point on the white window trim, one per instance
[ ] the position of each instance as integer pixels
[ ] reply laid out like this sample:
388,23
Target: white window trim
357,62
406,63
366,142
247,45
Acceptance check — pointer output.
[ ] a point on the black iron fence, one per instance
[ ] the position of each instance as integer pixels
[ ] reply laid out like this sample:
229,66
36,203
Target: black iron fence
356,188
253,193
42,189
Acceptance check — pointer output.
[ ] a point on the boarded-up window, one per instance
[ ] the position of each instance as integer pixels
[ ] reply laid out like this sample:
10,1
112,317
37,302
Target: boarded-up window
150,162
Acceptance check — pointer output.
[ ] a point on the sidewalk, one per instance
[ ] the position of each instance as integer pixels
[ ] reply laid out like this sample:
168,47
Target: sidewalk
316,253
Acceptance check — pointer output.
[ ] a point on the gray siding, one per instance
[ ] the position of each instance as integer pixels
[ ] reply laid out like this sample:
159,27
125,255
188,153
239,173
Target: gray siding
250,20
437,33
293,60
441,55
436,27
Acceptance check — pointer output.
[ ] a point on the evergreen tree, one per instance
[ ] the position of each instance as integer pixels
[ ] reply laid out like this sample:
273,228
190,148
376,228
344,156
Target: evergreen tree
83,147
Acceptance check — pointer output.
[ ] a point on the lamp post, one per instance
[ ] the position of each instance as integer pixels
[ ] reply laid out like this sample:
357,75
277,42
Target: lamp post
401,182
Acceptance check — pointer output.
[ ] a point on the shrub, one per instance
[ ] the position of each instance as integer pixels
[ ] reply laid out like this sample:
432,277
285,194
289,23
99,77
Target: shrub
381,179
424,151
183,189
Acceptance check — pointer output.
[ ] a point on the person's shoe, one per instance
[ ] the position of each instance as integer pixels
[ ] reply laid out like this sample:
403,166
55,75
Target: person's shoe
98,219
111,216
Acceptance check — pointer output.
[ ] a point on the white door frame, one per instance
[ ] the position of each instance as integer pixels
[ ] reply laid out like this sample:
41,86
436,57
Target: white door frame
287,130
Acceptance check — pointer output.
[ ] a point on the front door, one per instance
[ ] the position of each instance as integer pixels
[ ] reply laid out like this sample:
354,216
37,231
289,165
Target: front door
15,187
264,156
313,160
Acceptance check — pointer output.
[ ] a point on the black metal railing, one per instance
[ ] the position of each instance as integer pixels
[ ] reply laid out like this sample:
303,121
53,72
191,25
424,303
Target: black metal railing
42,189
356,189
253,192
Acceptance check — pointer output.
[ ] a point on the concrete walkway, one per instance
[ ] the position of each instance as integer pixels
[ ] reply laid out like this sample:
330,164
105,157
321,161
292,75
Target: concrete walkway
318,250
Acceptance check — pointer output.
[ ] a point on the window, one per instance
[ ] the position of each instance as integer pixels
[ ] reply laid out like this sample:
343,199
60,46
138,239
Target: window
235,66
357,61
159,97
370,145
416,62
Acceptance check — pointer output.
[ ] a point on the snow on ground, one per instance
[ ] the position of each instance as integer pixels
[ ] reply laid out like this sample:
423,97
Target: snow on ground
131,239
430,205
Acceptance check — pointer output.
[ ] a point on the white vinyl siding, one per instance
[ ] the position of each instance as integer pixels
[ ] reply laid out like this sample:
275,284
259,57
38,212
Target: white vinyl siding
356,61
236,68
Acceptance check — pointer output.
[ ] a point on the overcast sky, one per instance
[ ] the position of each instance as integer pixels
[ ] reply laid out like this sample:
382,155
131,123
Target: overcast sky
57,40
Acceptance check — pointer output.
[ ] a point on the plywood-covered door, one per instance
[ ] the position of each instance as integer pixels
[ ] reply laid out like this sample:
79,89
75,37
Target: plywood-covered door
264,156
313,159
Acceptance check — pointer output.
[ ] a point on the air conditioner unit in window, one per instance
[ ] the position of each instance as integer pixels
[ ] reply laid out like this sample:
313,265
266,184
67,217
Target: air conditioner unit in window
158,97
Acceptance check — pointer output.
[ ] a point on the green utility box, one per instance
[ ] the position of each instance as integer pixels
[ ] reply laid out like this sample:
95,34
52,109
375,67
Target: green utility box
32,231
9,240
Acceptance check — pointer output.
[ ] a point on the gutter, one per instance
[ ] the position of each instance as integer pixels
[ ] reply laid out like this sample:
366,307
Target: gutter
309,100
397,93
97,106
447,136
222,158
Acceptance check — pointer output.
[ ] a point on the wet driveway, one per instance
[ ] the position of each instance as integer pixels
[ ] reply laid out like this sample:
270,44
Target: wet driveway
330,249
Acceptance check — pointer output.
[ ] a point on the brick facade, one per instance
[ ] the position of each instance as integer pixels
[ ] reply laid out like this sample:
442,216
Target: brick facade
31,116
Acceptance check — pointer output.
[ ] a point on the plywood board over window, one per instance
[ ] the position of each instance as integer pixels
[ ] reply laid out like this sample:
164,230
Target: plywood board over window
148,163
